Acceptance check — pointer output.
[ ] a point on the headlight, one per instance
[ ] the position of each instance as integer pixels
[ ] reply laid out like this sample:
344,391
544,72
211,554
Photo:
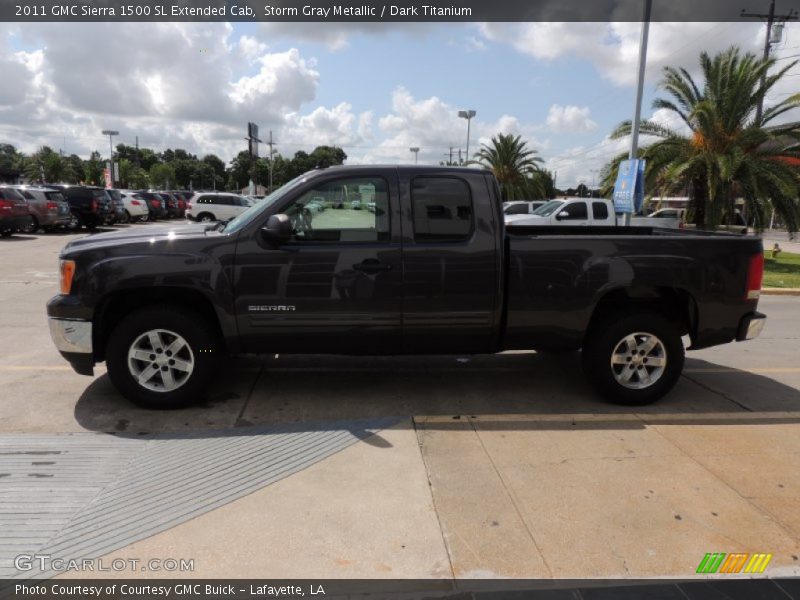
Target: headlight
67,268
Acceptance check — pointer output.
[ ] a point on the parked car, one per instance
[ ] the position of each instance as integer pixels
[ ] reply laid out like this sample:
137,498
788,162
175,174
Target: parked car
14,212
155,205
135,206
118,207
90,205
446,277
216,206
569,211
355,205
49,210
170,204
521,207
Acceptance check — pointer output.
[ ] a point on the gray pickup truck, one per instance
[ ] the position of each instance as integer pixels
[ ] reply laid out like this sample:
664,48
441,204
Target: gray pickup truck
431,269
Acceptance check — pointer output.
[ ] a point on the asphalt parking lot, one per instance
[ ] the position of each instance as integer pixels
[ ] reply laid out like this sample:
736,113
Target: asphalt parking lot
491,466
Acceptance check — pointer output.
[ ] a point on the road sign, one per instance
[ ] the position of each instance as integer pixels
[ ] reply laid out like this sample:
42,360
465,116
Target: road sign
629,187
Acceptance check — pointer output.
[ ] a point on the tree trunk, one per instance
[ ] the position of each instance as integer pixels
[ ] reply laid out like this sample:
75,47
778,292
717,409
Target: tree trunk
700,200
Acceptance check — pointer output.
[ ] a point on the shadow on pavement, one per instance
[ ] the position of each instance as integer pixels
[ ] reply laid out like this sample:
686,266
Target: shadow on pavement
540,391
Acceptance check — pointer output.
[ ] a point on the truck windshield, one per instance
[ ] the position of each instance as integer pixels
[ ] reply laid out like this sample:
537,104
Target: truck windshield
548,209
256,209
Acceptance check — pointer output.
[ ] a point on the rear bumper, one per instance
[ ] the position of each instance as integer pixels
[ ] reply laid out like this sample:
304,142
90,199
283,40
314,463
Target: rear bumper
750,326
14,222
73,339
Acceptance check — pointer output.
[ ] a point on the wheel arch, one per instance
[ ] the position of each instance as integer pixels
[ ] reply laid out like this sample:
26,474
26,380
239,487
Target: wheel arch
117,305
673,303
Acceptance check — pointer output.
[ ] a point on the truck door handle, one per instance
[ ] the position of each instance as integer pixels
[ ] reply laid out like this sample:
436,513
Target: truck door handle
372,265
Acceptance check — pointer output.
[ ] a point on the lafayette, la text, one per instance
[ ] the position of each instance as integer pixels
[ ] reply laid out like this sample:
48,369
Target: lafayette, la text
179,589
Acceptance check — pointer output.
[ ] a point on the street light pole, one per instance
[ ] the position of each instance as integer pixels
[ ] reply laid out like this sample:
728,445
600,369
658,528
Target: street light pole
648,6
415,150
467,114
110,133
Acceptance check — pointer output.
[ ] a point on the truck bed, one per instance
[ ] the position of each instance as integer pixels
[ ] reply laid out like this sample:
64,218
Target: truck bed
556,276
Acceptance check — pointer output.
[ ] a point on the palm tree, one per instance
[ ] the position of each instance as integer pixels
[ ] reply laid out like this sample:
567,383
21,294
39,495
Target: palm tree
513,164
727,153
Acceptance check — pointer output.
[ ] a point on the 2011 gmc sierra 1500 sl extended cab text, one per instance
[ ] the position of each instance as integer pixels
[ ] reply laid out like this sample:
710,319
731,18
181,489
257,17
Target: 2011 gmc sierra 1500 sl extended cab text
429,268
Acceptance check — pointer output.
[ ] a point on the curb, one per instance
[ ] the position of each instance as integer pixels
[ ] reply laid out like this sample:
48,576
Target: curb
781,291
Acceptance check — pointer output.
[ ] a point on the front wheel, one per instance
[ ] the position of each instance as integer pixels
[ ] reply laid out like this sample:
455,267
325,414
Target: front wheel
162,357
633,359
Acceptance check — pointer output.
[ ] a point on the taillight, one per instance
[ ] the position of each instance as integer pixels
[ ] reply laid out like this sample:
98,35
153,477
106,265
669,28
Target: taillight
755,273
188,206
6,205
52,206
156,203
136,203
67,269
94,205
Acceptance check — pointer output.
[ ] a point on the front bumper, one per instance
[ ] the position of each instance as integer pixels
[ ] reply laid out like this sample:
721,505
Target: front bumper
751,326
73,339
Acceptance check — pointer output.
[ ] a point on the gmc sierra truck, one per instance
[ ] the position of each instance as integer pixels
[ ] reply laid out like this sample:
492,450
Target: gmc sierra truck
430,268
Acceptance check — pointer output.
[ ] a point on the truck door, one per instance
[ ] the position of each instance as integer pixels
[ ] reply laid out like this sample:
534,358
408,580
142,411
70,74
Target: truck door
451,262
336,285
573,213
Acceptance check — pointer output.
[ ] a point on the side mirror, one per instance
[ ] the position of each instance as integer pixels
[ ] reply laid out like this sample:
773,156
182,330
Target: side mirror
562,215
278,230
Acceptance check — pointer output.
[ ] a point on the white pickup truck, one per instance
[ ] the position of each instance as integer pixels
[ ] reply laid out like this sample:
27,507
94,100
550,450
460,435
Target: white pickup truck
569,211
586,211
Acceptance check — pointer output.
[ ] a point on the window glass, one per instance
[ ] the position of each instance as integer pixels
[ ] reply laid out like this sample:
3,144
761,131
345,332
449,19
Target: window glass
27,194
343,210
548,208
205,200
599,210
442,209
576,211
516,209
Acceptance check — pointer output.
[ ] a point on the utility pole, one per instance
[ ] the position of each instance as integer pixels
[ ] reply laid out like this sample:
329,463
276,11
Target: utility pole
415,150
137,153
270,143
771,18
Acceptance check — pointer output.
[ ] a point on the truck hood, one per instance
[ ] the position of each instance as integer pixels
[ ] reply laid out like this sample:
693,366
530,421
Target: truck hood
152,234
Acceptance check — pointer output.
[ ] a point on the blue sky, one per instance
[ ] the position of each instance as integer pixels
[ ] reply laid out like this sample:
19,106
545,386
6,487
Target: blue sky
374,89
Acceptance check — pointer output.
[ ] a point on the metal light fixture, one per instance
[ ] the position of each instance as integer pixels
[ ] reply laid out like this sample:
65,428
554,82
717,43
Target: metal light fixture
467,114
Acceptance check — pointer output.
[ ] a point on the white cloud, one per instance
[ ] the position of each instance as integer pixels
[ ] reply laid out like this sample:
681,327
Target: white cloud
613,48
570,118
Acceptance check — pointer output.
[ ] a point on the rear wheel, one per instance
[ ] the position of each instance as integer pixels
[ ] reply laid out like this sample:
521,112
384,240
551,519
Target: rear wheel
205,217
633,359
32,227
162,357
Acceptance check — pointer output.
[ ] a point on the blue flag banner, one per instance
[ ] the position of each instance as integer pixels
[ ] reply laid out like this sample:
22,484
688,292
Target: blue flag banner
629,187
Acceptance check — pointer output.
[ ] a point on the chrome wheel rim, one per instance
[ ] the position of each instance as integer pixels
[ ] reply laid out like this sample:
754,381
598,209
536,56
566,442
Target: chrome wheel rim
160,360
638,360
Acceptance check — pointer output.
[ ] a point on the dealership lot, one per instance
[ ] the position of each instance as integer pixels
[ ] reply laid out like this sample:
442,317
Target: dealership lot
495,466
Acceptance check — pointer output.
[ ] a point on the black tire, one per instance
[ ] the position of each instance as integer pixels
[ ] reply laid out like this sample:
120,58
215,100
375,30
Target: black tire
6,233
604,342
33,227
205,217
203,350
127,218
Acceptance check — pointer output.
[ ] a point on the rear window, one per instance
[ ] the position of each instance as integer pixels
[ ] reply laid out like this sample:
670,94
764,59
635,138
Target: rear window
442,209
11,194
516,209
54,196
599,210
26,194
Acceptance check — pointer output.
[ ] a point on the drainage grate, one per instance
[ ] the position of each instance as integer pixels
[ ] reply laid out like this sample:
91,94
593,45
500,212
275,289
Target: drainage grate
75,496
